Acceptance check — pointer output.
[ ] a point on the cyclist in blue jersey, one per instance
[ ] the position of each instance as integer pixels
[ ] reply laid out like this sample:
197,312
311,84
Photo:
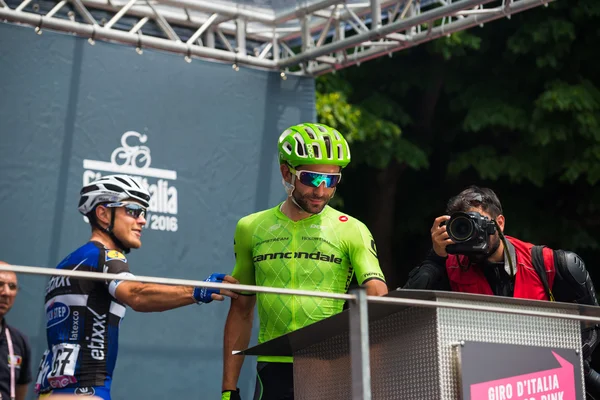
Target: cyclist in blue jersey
83,316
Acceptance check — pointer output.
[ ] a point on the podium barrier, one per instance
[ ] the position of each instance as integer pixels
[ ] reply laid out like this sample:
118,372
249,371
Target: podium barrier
439,345
420,344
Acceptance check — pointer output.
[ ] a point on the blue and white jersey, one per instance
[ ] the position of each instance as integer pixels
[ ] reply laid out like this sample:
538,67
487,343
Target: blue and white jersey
82,322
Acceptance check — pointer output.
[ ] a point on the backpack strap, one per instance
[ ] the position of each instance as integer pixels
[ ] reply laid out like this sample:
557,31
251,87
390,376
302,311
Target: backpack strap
537,259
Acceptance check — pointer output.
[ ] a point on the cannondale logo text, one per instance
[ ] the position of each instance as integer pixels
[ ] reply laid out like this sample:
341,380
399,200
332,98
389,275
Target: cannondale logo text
133,158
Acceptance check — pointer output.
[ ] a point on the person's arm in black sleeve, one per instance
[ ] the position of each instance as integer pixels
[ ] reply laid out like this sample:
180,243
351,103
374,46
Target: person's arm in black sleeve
25,376
573,284
429,275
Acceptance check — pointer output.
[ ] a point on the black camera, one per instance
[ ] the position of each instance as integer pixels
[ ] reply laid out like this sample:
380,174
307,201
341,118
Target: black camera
470,232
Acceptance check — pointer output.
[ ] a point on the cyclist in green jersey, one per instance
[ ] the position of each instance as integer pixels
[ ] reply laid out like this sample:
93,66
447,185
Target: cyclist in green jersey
301,243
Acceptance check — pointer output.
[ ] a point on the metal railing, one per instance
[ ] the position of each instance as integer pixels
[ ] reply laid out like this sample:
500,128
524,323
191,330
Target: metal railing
358,310
311,39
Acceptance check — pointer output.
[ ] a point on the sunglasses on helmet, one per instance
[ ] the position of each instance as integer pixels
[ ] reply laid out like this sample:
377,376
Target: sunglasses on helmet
314,179
132,209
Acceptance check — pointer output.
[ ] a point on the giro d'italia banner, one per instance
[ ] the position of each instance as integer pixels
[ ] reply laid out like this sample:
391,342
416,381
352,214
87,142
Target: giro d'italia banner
495,371
132,156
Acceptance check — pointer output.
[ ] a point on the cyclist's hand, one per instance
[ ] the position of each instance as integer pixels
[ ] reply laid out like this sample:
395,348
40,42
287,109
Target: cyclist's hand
439,236
206,295
231,395
225,292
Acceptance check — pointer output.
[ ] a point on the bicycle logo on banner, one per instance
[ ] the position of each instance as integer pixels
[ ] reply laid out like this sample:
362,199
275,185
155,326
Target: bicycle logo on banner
134,156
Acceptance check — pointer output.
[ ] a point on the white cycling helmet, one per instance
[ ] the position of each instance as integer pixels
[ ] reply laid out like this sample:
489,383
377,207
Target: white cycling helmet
110,189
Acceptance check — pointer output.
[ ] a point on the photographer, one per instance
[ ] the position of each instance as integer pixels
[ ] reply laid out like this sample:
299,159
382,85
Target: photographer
471,254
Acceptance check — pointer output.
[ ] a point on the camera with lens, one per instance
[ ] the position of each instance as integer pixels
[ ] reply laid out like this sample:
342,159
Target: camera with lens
470,232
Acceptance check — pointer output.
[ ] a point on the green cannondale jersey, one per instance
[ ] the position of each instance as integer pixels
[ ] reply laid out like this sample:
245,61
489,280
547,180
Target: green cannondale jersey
319,253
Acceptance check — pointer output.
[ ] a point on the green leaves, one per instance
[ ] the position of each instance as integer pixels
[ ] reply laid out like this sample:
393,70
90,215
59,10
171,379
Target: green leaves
372,127
514,106
334,110
549,41
455,45
518,164
562,96
492,113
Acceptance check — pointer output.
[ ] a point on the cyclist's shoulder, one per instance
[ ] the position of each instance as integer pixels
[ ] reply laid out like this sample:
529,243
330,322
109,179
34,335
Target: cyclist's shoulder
257,217
340,219
87,254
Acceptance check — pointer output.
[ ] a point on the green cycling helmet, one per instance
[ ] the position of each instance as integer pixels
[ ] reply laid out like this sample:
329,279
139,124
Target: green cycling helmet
306,144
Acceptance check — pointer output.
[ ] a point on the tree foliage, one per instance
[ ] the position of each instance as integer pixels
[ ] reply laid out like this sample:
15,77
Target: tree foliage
373,126
514,106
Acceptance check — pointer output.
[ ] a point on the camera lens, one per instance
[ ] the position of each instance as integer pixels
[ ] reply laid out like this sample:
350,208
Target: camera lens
460,229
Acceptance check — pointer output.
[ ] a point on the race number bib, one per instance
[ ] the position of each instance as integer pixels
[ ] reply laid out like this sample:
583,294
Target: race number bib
58,367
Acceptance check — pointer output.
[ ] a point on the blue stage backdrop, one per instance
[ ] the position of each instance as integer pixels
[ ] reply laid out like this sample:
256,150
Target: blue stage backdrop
200,135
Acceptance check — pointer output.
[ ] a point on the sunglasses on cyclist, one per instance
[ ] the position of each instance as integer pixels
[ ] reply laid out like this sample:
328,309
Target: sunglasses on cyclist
314,179
132,209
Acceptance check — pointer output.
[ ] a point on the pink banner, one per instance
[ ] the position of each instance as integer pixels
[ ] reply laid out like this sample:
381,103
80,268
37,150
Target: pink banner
552,384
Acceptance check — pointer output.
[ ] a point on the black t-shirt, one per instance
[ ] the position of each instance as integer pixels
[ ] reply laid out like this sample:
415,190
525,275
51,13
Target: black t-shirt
21,360
500,282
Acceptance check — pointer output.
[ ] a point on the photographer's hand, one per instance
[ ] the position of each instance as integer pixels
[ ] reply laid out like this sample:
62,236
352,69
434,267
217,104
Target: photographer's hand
439,236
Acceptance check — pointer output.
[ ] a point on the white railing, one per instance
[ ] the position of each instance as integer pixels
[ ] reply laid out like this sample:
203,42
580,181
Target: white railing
358,310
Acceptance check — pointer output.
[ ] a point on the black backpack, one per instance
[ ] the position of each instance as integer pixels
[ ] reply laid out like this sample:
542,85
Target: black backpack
537,259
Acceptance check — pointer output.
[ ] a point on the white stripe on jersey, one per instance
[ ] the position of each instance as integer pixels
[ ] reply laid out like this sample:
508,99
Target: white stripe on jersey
69,300
112,287
117,309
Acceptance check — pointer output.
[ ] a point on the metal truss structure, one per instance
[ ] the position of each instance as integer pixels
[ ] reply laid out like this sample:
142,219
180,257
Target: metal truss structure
305,37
